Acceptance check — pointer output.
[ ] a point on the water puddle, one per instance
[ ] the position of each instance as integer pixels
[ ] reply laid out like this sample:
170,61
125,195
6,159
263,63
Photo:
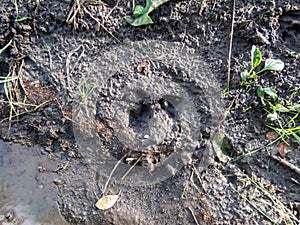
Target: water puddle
27,192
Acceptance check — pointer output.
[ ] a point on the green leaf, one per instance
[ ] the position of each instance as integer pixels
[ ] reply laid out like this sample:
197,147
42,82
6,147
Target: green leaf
280,108
128,19
294,107
22,19
141,13
271,92
296,137
138,11
221,144
142,20
253,75
260,92
255,57
272,116
157,3
244,75
273,64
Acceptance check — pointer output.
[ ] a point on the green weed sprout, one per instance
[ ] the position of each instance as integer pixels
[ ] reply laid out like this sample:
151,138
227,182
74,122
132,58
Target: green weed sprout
291,128
269,92
256,59
141,14
85,90
275,110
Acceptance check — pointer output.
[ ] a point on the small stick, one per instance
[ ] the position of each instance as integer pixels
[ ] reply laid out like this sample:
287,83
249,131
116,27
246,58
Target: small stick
111,173
193,214
73,12
197,174
286,163
6,46
69,70
131,168
100,24
116,5
228,110
230,43
28,111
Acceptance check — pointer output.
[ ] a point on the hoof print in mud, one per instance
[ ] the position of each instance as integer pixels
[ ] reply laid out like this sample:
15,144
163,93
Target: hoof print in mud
290,28
151,121
142,126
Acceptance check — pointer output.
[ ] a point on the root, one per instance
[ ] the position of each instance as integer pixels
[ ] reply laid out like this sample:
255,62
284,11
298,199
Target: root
286,163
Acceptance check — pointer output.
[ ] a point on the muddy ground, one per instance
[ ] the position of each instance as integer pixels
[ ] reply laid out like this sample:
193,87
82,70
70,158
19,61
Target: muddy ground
159,99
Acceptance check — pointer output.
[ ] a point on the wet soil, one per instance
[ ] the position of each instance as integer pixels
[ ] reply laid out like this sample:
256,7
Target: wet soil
159,98
28,194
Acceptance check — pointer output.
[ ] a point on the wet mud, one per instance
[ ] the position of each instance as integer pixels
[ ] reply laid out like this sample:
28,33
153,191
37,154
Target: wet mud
28,194
145,131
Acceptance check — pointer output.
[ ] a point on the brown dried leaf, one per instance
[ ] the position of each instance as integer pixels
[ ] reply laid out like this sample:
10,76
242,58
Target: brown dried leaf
282,149
272,135
142,65
106,202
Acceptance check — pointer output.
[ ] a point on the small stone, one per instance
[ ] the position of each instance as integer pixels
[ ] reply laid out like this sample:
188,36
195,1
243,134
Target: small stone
26,27
10,215
57,182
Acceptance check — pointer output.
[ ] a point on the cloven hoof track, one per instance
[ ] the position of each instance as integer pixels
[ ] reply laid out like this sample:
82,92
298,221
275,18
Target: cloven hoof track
151,111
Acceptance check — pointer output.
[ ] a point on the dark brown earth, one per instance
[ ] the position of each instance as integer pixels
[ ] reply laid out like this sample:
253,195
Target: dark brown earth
136,95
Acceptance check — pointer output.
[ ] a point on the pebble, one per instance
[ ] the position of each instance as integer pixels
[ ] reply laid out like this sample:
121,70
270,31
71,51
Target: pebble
10,215
26,27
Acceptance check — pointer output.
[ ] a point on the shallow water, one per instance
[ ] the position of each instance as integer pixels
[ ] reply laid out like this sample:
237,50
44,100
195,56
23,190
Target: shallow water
27,192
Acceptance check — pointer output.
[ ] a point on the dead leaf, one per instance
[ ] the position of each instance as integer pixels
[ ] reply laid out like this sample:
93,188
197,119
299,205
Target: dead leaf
268,185
218,146
142,65
282,149
272,135
106,202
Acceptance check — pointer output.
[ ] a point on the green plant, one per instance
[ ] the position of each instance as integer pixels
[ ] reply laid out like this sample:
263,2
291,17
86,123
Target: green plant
6,46
266,92
260,194
256,59
291,127
279,113
141,14
85,89
21,19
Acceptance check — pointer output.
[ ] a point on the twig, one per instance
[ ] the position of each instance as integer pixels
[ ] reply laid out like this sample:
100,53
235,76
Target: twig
230,43
69,70
193,214
197,174
286,163
99,23
73,12
6,46
37,5
116,5
257,208
28,111
20,80
228,110
254,150
17,9
112,172
131,168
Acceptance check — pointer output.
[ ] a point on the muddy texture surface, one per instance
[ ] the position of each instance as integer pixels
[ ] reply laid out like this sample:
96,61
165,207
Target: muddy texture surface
158,100
28,194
